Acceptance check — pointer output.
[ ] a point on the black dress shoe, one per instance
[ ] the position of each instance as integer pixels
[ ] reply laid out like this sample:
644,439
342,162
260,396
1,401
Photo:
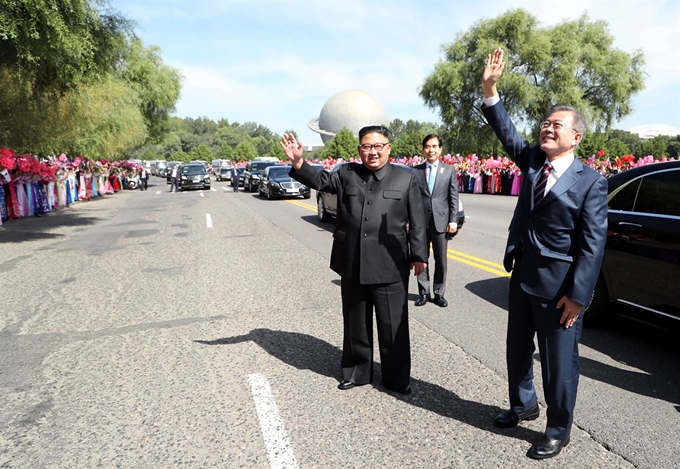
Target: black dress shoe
547,448
344,385
406,390
510,418
422,300
440,301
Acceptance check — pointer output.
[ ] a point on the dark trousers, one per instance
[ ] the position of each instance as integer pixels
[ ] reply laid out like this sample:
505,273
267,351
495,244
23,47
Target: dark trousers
235,184
391,311
439,245
529,315
143,184
173,185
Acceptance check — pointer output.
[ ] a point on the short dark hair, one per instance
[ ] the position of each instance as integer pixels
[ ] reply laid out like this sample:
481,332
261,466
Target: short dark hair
430,137
580,124
374,129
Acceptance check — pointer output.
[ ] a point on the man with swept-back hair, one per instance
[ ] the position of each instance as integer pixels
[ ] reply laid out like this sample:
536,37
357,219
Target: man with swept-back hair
439,191
555,248
372,254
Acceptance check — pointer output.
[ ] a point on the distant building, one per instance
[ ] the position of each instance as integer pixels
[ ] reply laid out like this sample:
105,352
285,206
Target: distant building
649,131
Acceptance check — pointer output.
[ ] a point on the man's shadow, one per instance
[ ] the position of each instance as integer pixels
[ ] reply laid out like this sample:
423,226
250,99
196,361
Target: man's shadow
305,352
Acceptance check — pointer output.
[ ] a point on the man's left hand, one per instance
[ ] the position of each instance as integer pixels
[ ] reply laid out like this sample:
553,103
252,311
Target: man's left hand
418,267
571,311
452,228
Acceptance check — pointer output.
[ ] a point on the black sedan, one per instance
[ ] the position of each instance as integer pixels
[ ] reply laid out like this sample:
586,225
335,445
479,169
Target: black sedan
641,267
194,176
276,183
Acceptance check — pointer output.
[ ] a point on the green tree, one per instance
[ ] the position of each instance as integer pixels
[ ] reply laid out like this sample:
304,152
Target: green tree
343,145
180,155
202,152
157,84
275,149
572,63
245,151
225,152
58,44
656,146
409,144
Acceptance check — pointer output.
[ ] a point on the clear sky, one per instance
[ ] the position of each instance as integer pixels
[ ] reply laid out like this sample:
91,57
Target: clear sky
276,62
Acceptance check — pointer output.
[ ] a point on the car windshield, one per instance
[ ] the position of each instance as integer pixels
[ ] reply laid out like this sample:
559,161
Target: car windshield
225,170
279,172
260,165
193,170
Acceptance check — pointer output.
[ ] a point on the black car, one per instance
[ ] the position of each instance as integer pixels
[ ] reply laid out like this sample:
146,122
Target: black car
252,172
276,183
327,203
193,176
641,267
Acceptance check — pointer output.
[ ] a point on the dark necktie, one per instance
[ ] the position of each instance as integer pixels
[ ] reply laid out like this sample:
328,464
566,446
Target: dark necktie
539,192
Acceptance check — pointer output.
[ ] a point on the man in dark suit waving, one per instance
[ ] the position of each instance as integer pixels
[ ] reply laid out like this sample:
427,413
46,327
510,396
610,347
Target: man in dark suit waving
439,191
555,248
372,254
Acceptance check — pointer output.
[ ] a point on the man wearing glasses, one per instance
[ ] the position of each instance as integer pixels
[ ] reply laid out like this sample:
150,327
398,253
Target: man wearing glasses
372,254
554,250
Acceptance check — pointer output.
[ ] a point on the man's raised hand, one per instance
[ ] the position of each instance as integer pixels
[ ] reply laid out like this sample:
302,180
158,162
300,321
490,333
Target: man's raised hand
492,72
293,149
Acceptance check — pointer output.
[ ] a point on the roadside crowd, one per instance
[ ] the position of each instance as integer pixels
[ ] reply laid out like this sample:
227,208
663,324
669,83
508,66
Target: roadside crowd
32,187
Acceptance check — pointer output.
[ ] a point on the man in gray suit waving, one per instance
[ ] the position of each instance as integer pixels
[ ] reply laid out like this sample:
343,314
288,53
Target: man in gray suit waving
439,191
372,254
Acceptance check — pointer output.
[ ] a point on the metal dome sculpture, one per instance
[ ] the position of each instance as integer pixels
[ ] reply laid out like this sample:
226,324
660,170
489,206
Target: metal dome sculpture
351,109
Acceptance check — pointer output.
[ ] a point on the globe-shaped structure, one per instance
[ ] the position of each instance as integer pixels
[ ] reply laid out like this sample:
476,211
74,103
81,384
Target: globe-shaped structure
351,109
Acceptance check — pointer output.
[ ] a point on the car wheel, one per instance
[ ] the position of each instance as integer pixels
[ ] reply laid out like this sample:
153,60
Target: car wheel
598,313
269,194
307,196
132,185
321,209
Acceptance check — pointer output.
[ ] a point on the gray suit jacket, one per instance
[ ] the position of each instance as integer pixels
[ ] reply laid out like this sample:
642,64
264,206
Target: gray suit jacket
561,239
442,204
370,244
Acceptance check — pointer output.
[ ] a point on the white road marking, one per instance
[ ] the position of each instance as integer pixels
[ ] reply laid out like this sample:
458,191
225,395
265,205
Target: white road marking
275,437
208,220
213,189
202,194
158,192
224,188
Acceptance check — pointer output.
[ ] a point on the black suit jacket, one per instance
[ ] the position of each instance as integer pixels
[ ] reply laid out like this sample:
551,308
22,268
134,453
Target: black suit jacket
561,239
370,244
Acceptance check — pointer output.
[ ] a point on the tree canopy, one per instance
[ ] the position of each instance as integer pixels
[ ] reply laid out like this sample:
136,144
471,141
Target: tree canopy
572,63
75,79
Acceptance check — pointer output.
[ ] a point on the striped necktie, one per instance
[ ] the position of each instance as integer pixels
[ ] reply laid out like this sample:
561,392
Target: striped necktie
539,192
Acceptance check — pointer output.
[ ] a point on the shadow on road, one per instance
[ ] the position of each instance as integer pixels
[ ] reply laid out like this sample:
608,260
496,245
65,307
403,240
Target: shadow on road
34,228
493,290
324,225
653,353
305,352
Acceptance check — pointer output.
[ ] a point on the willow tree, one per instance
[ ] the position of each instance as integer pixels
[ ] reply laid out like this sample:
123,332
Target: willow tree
574,62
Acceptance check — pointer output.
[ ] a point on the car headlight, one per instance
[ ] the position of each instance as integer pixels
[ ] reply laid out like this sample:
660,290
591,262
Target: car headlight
184,178
275,184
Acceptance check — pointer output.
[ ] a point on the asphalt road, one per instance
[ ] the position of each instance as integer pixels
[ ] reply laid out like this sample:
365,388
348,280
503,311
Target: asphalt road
203,329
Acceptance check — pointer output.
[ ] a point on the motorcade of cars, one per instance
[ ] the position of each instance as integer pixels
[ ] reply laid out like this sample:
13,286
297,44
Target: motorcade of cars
222,173
327,203
252,172
193,176
641,266
240,177
275,183
158,167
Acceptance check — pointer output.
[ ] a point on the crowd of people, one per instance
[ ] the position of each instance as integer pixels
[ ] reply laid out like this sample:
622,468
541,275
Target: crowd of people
500,175
30,186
